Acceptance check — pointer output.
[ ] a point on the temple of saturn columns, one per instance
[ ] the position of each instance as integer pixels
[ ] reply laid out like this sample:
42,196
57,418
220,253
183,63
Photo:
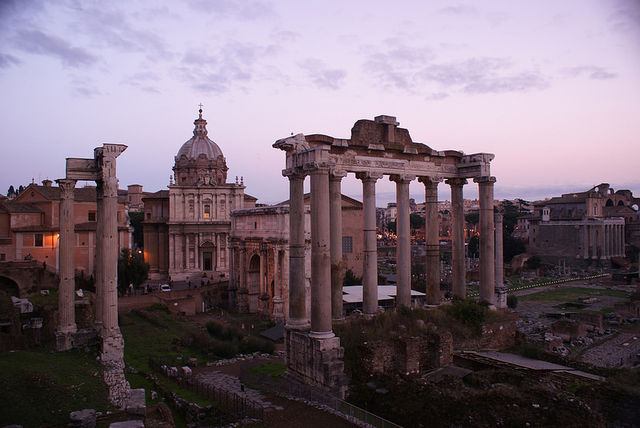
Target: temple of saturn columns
376,148
102,170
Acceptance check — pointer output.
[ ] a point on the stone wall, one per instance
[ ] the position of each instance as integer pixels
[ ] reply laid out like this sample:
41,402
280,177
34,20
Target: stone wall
498,335
316,361
406,355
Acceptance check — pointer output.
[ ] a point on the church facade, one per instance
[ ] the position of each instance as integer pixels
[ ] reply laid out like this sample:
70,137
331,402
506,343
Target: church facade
186,229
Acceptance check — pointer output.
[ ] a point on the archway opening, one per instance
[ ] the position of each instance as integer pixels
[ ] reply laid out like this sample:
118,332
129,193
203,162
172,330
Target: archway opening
253,282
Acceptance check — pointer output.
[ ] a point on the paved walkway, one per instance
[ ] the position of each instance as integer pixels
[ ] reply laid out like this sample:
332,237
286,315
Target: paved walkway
530,363
230,383
617,352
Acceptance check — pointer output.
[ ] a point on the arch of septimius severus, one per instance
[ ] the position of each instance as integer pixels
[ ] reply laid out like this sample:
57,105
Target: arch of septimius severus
376,148
102,170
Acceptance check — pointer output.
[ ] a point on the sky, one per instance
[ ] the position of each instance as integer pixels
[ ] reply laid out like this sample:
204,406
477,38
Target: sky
551,88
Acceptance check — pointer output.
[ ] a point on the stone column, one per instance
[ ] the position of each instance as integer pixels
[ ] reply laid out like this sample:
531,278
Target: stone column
500,289
403,248
320,255
487,263
432,239
370,271
585,241
457,235
297,296
99,278
337,267
109,255
66,301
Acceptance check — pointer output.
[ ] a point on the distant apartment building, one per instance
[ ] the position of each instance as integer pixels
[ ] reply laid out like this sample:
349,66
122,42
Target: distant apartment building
29,226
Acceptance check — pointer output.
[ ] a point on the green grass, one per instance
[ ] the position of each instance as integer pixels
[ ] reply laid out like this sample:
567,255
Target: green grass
41,389
570,293
271,369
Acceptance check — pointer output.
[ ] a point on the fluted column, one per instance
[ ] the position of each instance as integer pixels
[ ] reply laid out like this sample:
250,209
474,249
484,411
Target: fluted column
432,239
109,254
297,296
403,248
337,267
320,254
99,278
457,235
487,242
370,271
585,241
500,289
66,288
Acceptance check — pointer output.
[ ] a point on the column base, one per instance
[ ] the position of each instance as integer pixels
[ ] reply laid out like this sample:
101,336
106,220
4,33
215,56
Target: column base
64,341
501,298
322,334
298,324
316,361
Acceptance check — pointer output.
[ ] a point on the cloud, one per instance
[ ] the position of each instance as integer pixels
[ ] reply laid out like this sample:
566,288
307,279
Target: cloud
7,60
142,80
244,10
416,70
37,42
233,63
83,87
322,76
116,32
589,71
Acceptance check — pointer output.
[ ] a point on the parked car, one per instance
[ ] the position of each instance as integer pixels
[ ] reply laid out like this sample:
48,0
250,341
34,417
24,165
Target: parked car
165,287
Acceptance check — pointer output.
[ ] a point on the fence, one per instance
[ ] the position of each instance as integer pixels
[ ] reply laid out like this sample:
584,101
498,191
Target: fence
233,404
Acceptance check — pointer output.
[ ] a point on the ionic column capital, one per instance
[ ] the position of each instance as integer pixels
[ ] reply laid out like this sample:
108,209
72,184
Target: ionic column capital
337,174
402,178
369,176
430,181
456,181
66,186
484,180
294,174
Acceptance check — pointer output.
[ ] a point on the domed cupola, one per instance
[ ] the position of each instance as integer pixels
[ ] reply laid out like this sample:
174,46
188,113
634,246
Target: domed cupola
200,161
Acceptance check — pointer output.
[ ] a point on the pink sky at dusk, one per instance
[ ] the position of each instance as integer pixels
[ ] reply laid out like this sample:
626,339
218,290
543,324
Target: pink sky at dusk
551,88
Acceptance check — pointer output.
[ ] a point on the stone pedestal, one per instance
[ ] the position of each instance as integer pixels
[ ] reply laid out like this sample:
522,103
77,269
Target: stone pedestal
316,361
113,371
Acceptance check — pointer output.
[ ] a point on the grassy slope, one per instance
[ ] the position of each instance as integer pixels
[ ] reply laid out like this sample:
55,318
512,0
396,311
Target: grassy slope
570,293
41,389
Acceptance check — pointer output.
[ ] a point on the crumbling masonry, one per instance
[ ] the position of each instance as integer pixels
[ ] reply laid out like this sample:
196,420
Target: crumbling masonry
102,170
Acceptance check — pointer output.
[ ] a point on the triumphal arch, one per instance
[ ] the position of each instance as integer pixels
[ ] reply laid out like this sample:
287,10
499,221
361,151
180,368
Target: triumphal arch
377,148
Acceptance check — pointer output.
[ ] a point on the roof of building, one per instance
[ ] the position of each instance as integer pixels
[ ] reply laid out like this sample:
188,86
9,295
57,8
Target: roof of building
353,293
21,207
160,194
199,144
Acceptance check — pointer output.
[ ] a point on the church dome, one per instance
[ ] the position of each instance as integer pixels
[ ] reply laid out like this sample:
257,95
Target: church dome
199,144
199,161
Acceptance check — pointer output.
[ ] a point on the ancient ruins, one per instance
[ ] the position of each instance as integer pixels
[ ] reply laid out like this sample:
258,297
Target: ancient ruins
376,148
102,170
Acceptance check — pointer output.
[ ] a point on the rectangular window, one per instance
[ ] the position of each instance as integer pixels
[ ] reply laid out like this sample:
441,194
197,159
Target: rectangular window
92,216
207,211
347,245
38,240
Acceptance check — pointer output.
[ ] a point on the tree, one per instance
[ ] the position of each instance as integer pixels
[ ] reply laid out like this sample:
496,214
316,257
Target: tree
11,191
136,218
132,269
20,189
474,245
391,227
473,218
416,221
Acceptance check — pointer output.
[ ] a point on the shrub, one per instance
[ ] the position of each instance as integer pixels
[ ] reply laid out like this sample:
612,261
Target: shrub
158,307
221,332
254,344
468,312
512,301
351,279
153,318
